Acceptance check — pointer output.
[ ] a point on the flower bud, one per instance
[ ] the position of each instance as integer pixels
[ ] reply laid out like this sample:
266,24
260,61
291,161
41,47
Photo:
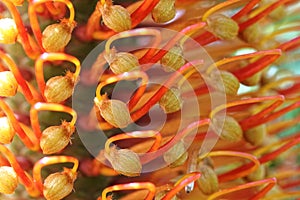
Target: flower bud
124,161
164,11
176,155
115,17
59,185
160,195
223,27
57,36
208,181
7,133
230,84
256,135
8,180
8,84
230,130
114,112
59,88
253,80
258,174
8,31
173,60
123,62
171,101
56,138
253,34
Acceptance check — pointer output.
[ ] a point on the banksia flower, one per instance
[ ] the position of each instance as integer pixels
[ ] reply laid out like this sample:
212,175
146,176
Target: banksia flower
176,155
231,130
115,17
173,60
208,182
124,161
59,185
164,11
8,180
57,36
7,133
8,84
256,135
171,101
59,88
123,62
56,138
223,27
114,112
229,84
8,31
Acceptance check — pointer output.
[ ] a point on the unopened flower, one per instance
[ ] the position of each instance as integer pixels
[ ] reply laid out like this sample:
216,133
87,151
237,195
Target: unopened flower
229,84
57,36
59,88
256,135
122,62
8,84
223,27
258,174
59,185
164,11
8,180
208,181
176,155
171,101
124,161
56,138
8,31
173,60
7,133
230,131
114,112
115,17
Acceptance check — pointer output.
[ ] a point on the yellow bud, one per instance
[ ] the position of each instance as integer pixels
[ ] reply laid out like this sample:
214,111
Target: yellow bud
253,34
256,135
176,155
173,60
278,13
56,138
8,180
229,83
253,80
164,11
230,131
17,2
114,112
171,101
57,36
59,88
123,62
223,27
124,161
258,174
8,31
160,195
7,133
59,185
115,17
208,181
8,84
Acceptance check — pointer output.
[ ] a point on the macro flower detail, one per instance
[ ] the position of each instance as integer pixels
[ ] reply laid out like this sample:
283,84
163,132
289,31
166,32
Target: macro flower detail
8,31
149,99
8,180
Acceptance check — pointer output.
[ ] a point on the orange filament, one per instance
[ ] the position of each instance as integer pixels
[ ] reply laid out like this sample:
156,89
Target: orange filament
49,107
131,186
50,160
136,134
53,57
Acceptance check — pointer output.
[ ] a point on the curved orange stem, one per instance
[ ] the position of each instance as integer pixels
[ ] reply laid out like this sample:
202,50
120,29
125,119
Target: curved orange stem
49,107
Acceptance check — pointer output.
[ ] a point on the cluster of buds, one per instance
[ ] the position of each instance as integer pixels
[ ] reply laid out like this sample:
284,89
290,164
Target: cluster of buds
244,86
